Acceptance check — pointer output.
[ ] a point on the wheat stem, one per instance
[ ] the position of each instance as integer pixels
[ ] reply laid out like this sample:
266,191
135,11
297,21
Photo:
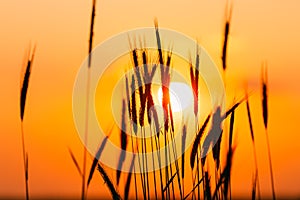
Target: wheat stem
270,165
25,160
86,134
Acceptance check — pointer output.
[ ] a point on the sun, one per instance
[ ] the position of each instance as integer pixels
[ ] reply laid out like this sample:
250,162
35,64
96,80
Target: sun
181,96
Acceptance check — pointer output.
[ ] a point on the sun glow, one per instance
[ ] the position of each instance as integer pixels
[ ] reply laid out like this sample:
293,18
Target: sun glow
181,96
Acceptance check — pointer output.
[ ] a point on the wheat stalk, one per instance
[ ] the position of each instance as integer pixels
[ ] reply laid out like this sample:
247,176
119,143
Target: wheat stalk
123,139
226,35
264,78
23,95
128,181
83,187
253,146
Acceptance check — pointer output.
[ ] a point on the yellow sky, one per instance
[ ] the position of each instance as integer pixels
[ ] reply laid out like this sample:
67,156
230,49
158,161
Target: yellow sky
261,30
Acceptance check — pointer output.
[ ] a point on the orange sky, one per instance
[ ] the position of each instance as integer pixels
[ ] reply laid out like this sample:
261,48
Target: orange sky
261,30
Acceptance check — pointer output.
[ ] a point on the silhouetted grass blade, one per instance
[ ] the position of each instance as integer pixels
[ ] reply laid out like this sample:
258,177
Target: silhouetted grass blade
197,142
96,159
115,195
75,162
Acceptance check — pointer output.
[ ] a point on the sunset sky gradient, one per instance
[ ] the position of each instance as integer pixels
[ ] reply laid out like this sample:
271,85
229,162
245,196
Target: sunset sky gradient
261,31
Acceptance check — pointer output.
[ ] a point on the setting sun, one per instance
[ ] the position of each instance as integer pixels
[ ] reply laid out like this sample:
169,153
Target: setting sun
181,96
